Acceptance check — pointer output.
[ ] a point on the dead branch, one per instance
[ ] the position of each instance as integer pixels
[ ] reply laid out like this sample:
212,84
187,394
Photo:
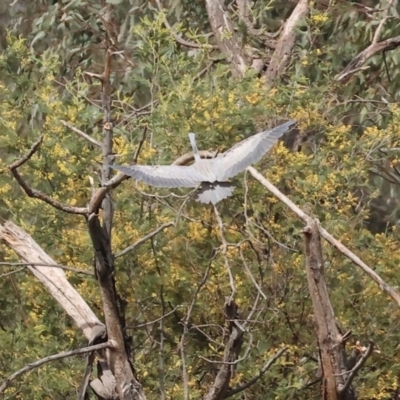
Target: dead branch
45,360
227,39
357,63
383,20
263,370
329,339
53,279
144,239
328,237
35,193
180,40
81,133
281,56
220,387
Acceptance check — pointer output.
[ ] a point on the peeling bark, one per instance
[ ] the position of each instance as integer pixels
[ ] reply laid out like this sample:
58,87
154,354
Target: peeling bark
227,39
330,340
281,56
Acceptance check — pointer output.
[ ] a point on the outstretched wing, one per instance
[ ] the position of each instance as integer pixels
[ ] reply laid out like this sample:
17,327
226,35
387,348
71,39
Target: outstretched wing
171,176
248,151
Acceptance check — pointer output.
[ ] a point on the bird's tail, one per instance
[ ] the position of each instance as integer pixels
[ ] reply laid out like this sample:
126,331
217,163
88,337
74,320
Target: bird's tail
214,192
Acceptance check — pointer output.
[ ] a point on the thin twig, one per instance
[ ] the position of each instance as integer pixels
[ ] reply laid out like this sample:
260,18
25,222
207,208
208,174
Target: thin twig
12,272
144,239
264,369
185,324
140,145
64,267
81,133
45,360
238,360
154,321
180,40
251,275
224,249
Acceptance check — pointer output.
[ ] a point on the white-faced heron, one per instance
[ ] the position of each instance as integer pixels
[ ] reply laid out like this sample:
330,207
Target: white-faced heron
210,175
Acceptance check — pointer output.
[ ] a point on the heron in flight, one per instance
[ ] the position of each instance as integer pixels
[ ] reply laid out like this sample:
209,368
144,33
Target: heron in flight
209,175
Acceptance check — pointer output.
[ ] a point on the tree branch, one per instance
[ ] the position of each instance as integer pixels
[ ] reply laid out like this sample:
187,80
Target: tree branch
144,239
263,370
327,236
232,349
45,360
81,133
284,47
180,40
64,267
53,279
374,48
353,372
35,193
227,39
261,34
330,345
126,384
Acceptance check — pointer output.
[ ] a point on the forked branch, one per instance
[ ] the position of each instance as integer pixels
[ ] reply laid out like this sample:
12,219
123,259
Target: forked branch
36,193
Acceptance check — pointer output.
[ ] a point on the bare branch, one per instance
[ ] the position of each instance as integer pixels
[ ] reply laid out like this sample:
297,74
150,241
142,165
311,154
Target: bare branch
81,133
140,145
45,360
180,40
331,347
144,239
64,267
284,47
224,247
328,237
154,321
227,39
263,370
11,272
53,279
357,367
374,48
126,384
102,192
382,22
232,349
35,193
185,324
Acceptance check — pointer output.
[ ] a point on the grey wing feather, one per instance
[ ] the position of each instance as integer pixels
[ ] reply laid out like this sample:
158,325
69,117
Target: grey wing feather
248,151
171,176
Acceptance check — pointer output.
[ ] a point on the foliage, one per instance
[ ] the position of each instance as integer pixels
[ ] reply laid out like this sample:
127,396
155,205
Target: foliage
337,176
